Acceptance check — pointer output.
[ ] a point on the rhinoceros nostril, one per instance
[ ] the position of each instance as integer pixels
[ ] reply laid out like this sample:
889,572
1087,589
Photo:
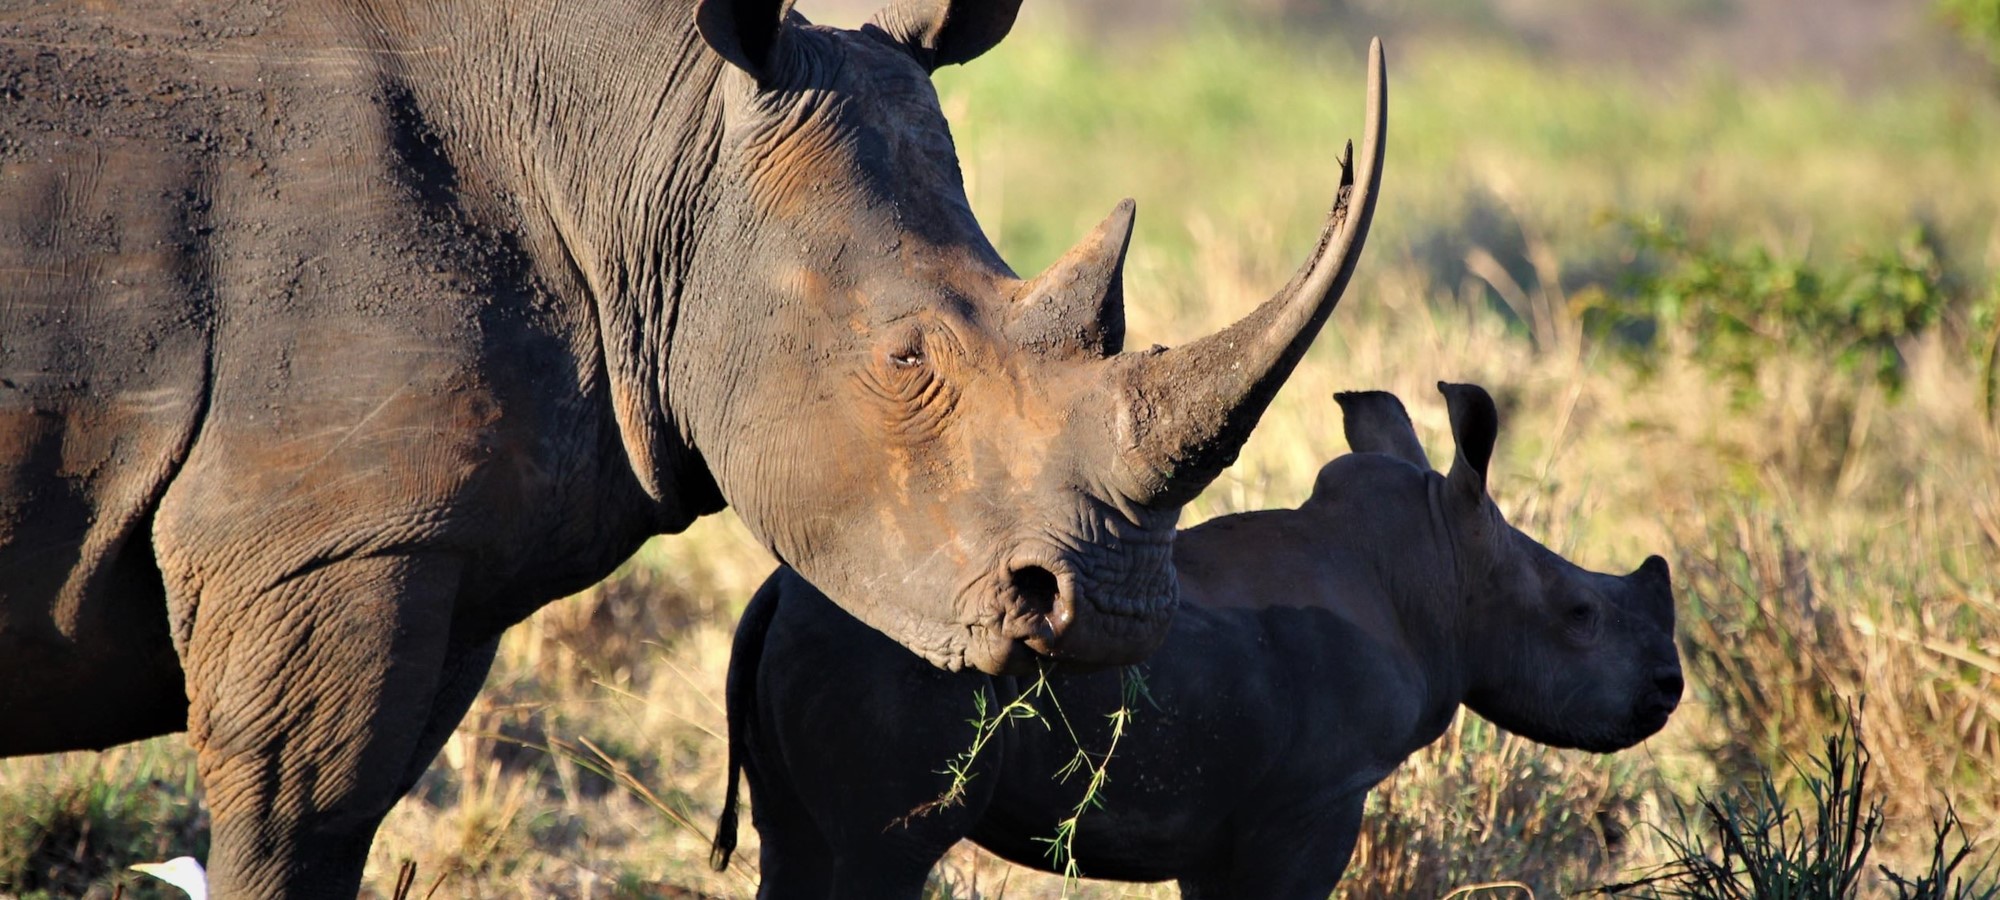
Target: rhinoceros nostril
1040,592
1670,685
1037,589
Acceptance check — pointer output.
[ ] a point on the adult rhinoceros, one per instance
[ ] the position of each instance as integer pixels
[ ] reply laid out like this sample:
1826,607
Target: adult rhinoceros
336,336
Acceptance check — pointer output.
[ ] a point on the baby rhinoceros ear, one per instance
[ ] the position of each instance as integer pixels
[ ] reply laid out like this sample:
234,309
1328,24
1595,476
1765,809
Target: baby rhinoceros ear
1376,422
1475,424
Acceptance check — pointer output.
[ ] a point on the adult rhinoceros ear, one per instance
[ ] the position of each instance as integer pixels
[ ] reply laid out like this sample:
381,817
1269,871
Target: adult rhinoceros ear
1475,424
747,33
1376,422
946,32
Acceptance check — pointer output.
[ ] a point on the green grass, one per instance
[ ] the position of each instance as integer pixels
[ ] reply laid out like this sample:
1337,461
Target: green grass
1237,133
71,825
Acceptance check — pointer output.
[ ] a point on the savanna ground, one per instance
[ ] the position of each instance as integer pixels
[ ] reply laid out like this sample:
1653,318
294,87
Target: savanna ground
1749,325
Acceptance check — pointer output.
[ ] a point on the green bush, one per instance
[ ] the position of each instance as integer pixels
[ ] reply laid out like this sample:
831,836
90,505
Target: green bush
1986,321
1741,304
1978,21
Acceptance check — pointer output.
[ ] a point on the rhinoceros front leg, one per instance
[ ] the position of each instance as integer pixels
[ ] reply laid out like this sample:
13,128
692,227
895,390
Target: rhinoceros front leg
311,702
463,674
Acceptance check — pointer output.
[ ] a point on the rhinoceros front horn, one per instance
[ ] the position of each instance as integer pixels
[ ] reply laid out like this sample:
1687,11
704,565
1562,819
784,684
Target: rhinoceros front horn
1192,407
1077,307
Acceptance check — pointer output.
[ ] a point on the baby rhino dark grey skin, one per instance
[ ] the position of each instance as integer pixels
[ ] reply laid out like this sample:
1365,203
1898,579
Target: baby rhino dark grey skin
1319,647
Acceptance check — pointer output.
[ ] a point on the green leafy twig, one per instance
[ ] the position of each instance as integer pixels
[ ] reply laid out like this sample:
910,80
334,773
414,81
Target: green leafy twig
986,723
1062,845
984,727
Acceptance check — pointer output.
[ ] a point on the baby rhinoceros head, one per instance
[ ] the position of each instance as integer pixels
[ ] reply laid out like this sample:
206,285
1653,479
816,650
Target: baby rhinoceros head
1547,649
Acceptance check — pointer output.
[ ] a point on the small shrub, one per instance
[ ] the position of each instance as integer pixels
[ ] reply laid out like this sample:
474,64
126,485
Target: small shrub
1812,346
1986,321
1739,305
1754,843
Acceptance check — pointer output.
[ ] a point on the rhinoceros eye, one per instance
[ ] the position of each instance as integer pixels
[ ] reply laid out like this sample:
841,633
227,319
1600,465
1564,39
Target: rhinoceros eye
905,378
903,347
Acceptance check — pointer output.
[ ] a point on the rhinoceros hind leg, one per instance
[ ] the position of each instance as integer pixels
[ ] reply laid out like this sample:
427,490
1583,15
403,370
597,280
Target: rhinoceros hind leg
794,860
882,878
310,705
1291,854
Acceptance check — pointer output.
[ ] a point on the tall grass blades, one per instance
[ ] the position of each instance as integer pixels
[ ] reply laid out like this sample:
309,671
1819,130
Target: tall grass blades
1813,840
1777,630
1482,806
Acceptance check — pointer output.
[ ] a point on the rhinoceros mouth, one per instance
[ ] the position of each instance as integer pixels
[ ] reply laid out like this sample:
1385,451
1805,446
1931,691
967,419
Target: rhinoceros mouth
1654,711
1645,720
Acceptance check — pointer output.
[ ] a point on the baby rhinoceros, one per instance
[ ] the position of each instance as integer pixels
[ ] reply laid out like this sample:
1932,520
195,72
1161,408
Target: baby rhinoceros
1315,649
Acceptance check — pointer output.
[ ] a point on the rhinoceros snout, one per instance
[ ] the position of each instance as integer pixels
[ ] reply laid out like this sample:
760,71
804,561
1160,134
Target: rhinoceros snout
1048,607
1665,697
1669,684
1097,626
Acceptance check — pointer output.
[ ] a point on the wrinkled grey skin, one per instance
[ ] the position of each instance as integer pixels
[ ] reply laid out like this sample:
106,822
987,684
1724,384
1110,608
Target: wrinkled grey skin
337,336
1319,647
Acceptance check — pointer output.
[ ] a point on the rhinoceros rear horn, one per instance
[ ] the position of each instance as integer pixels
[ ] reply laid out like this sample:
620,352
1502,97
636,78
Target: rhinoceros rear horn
1077,307
1655,581
1194,406
946,32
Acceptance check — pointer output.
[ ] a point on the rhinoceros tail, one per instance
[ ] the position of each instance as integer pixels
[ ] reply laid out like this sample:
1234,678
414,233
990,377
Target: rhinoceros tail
746,656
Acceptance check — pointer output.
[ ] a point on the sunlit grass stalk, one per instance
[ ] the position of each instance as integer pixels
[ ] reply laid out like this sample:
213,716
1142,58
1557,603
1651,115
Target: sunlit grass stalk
1062,845
605,765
